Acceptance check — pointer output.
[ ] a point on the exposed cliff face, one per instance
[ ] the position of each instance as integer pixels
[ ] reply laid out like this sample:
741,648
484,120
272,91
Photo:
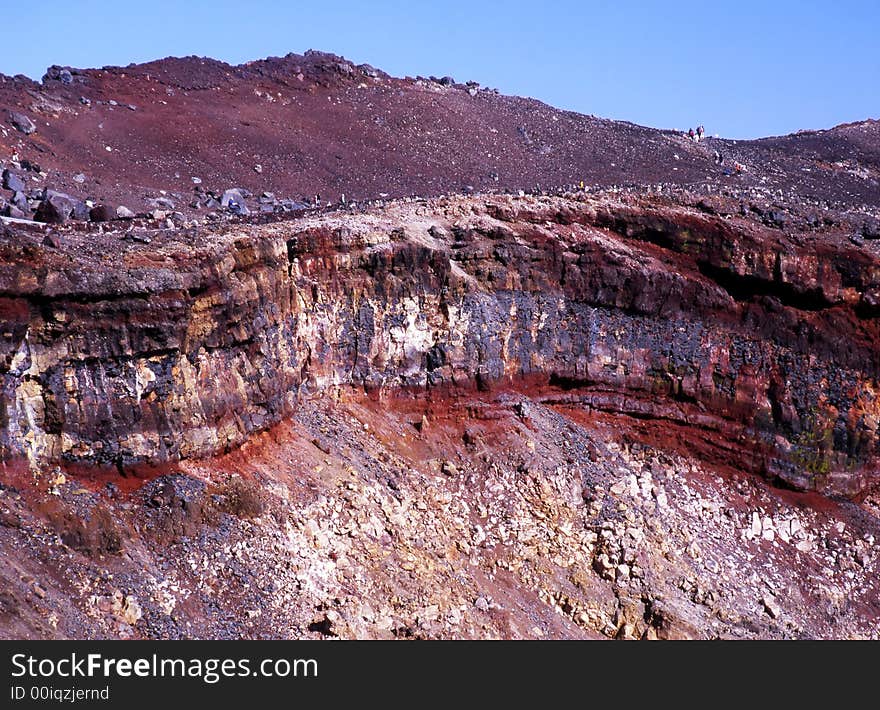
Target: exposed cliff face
755,345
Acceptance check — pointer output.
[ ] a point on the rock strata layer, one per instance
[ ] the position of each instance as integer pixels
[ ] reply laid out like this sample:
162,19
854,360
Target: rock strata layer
755,339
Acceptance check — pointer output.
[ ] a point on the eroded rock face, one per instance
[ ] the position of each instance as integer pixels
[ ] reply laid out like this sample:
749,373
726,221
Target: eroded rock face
762,342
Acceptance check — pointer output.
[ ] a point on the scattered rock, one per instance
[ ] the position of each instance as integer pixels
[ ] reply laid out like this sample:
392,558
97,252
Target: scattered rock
162,203
81,211
122,212
447,468
771,607
13,182
234,201
14,212
777,218
60,74
102,213
55,208
22,123
20,200
124,608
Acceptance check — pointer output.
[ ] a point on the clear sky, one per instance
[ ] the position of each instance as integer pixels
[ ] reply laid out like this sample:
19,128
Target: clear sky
743,68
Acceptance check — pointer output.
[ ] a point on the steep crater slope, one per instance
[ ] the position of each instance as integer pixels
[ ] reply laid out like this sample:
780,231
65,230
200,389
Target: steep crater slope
571,416
758,344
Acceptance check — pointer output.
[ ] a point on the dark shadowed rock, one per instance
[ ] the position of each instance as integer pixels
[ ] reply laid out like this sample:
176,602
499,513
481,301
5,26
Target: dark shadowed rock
13,211
62,75
80,211
176,505
22,122
19,199
11,181
776,218
102,213
56,208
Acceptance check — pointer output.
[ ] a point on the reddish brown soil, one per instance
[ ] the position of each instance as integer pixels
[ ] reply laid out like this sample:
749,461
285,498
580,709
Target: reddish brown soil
317,124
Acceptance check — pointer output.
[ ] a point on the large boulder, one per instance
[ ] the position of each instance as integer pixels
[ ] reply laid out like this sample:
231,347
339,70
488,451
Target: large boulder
11,181
20,200
22,123
102,213
55,208
60,74
81,211
13,211
233,200
233,194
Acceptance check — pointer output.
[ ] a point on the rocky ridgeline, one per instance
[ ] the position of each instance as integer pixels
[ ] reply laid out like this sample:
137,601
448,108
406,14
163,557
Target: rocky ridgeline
755,340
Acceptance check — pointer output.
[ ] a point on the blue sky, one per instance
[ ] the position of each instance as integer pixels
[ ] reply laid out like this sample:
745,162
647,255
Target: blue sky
743,69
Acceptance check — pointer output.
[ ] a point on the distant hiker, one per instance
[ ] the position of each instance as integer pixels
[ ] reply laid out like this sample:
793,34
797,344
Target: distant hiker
691,133
719,158
317,200
739,167
700,132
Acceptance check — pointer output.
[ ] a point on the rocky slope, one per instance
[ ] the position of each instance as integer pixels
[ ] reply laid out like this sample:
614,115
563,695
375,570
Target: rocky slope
647,410
182,131
481,416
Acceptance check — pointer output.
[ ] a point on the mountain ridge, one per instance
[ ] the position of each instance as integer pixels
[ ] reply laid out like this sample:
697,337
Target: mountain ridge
315,124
